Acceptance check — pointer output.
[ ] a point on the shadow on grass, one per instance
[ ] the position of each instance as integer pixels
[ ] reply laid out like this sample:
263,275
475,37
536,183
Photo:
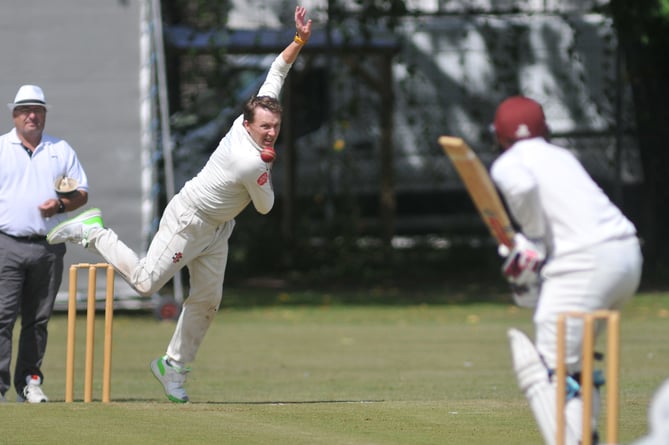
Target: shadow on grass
238,402
292,402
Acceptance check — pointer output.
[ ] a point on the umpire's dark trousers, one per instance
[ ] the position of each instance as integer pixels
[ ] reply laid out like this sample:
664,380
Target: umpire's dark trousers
31,271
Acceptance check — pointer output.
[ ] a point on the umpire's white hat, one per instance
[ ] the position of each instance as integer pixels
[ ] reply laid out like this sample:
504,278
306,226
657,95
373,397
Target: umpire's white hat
29,95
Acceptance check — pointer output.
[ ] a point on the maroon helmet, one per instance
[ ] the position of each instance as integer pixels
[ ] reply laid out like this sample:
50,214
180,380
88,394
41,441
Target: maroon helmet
519,117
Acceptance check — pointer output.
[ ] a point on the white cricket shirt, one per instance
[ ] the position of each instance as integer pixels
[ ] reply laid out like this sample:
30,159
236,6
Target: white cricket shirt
553,199
235,174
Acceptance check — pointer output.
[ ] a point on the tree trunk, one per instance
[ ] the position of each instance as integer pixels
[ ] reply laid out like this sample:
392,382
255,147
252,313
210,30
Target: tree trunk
648,73
643,35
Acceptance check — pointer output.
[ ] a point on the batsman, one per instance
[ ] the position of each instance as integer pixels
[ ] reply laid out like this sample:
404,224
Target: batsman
575,251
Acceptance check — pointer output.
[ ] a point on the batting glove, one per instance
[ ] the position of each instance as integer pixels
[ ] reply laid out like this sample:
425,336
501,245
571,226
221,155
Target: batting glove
523,263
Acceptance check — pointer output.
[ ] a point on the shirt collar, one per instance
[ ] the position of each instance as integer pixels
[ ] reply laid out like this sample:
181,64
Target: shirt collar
14,139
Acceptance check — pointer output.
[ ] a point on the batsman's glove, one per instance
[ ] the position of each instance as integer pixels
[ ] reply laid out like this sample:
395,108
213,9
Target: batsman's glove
523,263
522,267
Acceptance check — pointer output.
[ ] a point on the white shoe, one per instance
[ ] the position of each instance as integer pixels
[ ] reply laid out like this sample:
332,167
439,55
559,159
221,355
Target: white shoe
77,229
32,392
172,379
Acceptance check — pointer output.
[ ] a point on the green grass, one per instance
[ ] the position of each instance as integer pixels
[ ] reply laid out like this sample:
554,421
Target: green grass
327,375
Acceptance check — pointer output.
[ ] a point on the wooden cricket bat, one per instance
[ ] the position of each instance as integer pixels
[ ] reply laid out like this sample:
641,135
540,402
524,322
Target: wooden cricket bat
480,187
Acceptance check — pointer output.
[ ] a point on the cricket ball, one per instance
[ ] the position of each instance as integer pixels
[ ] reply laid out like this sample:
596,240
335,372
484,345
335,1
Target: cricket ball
268,154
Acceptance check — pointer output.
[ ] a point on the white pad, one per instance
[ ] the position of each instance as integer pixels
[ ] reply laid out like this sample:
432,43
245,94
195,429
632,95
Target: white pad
540,392
658,415
658,418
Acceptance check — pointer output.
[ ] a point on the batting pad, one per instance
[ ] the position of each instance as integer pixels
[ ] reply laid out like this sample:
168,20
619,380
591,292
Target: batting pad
540,392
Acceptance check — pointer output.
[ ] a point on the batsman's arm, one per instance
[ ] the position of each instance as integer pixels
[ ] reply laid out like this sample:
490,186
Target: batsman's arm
519,189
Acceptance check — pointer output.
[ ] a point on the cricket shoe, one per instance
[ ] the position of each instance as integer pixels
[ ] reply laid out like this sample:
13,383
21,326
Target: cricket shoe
76,230
32,392
172,379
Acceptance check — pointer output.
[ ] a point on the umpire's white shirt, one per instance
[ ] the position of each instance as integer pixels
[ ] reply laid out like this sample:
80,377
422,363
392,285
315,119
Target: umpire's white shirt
553,199
27,181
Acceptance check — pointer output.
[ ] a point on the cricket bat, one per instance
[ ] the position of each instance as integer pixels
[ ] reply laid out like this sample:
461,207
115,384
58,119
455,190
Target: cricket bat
480,188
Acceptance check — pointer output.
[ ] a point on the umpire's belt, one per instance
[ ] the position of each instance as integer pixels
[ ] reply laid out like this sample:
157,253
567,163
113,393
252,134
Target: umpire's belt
30,238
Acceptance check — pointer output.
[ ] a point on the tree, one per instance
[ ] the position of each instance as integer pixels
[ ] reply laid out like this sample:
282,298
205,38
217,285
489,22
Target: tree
643,35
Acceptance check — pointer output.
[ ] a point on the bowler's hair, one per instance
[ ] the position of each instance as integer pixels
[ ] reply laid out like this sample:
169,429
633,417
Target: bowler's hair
269,103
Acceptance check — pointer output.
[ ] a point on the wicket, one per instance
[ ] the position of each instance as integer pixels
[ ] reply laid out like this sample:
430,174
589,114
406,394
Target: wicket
612,319
90,332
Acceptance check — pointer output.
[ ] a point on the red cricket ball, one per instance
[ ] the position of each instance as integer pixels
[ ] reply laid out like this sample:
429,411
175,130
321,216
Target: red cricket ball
268,154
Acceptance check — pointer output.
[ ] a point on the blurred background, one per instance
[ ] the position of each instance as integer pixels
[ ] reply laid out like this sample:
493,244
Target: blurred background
145,89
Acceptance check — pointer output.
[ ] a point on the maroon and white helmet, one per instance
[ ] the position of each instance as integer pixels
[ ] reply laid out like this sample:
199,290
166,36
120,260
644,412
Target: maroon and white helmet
517,118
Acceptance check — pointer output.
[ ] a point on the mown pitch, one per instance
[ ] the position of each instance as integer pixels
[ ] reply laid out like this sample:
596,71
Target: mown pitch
328,375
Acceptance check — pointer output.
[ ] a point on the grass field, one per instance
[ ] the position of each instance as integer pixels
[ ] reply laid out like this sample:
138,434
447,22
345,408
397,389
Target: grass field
328,375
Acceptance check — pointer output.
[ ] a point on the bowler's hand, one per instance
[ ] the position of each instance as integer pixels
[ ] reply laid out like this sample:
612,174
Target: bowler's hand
302,28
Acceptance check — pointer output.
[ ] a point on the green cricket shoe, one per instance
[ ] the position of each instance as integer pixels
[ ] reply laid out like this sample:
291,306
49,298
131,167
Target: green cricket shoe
76,230
172,379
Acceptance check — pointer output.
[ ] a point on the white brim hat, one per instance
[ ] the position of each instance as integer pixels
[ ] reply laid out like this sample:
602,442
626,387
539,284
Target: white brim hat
29,95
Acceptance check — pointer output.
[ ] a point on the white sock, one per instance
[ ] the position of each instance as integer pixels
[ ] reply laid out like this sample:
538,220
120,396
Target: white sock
175,364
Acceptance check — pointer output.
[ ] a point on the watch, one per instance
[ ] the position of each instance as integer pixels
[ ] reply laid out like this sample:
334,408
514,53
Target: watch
61,206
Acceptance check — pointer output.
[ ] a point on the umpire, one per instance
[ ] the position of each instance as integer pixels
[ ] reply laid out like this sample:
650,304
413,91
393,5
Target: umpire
32,165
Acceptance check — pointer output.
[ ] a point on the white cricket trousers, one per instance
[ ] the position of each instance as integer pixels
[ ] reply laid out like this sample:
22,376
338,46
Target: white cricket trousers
183,239
604,276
